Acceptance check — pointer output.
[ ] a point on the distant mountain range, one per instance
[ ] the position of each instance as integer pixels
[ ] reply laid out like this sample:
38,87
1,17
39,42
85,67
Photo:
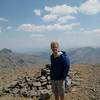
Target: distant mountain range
85,55
13,59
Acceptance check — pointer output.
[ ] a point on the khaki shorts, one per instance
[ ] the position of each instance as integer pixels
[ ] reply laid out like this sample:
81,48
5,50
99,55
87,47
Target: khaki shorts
58,86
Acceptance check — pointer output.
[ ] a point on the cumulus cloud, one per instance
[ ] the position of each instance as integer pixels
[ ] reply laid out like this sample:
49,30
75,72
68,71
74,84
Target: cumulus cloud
63,13
57,19
47,28
8,27
49,17
3,19
82,29
65,19
92,31
61,9
59,13
37,12
90,7
31,28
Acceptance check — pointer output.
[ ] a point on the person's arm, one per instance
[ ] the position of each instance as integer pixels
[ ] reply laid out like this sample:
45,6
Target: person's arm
51,67
66,66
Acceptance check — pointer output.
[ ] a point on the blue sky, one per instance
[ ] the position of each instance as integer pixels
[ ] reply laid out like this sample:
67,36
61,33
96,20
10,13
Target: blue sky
35,23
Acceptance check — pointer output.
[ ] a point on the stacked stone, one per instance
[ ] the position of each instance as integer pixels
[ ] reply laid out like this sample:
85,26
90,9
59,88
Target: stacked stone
36,86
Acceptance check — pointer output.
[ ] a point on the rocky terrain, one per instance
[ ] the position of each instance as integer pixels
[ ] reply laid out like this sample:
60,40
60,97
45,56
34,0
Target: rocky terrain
37,86
86,78
85,83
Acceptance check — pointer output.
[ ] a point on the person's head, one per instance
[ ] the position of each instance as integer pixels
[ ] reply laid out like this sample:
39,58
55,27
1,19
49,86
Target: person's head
54,47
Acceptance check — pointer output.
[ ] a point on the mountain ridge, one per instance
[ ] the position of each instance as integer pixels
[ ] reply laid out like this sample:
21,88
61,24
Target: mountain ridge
84,55
8,58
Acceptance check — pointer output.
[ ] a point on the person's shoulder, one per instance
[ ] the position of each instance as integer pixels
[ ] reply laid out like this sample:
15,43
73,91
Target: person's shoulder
64,54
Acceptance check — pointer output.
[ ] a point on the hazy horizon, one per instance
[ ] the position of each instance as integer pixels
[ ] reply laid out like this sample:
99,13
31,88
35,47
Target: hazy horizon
35,50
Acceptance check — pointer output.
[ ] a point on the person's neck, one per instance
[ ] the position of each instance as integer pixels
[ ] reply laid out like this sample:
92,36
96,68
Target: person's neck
55,54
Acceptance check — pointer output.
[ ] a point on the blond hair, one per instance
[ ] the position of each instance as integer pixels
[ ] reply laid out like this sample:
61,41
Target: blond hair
53,43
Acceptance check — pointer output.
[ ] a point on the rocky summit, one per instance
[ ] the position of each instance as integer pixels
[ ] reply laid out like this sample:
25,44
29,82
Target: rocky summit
37,86
83,83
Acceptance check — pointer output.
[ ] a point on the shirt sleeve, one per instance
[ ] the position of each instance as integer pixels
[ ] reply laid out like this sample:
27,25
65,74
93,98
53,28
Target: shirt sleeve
66,66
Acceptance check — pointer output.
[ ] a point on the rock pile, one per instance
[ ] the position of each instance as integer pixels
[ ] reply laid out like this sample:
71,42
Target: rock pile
38,85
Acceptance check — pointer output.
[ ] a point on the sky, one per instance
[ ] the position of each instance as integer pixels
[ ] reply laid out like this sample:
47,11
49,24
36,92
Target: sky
35,23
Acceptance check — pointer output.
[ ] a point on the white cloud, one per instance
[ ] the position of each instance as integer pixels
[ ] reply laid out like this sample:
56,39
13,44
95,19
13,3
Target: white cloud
49,17
61,9
60,19
31,28
47,28
82,29
91,32
8,27
59,13
37,12
49,9
3,19
65,19
90,7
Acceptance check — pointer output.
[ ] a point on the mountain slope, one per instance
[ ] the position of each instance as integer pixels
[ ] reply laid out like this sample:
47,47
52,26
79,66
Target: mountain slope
86,55
12,59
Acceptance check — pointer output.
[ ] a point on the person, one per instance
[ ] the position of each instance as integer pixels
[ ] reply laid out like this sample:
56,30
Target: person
59,70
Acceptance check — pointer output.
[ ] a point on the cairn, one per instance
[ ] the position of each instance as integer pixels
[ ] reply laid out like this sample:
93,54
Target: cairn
38,86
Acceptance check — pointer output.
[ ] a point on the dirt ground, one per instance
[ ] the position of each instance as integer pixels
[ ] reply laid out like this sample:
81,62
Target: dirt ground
88,77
